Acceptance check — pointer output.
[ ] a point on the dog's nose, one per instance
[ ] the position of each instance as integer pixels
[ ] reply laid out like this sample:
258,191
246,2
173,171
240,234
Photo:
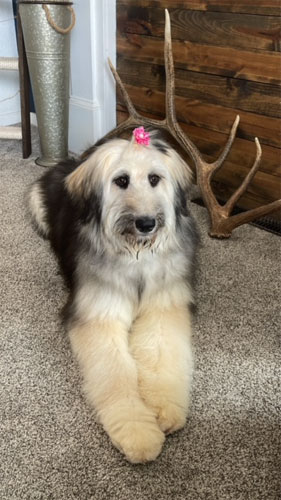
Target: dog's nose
145,224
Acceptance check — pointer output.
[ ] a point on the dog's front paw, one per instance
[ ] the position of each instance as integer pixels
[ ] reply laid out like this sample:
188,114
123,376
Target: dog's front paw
134,431
171,417
139,441
169,403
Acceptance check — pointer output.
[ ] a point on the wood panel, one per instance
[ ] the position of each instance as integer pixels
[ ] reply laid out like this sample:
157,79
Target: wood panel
217,90
227,62
209,116
242,31
265,7
211,143
262,186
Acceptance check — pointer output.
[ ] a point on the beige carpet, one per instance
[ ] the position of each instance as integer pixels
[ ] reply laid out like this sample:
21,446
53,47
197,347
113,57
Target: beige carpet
51,447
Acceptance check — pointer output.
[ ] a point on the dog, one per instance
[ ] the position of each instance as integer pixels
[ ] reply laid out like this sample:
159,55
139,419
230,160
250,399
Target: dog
118,223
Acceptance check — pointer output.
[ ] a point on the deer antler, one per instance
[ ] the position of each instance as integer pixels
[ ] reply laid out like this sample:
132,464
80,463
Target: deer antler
222,223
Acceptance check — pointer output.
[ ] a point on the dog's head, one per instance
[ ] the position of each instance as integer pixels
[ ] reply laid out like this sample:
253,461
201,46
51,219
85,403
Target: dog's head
134,192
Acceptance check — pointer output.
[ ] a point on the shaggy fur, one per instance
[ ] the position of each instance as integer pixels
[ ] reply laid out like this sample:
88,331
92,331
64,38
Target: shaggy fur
119,225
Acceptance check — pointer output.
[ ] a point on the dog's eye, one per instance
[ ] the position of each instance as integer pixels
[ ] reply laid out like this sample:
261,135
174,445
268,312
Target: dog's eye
153,179
122,181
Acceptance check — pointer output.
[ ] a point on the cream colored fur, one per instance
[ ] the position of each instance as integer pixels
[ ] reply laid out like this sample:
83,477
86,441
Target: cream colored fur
160,344
138,381
38,209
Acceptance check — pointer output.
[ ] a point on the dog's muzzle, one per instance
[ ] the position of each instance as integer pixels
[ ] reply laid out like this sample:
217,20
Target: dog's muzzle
140,225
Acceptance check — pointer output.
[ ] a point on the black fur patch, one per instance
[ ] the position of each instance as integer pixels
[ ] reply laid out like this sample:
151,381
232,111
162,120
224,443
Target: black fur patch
187,231
180,203
141,287
161,146
125,224
91,208
66,215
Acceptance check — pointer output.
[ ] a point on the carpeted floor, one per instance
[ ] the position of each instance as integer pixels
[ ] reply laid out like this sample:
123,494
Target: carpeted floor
51,447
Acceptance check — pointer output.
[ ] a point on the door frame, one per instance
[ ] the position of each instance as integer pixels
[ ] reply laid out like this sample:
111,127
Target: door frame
92,97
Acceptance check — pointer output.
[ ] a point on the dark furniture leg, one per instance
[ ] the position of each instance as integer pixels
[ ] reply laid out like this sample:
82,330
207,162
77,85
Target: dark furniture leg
24,93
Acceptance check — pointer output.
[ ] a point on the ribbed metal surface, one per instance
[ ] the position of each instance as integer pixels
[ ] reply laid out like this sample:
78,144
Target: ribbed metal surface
48,54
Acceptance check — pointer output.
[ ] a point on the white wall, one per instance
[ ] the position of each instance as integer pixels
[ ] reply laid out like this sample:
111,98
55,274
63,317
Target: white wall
92,101
9,80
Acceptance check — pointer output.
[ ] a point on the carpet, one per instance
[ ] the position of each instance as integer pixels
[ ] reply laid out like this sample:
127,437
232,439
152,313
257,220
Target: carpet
52,448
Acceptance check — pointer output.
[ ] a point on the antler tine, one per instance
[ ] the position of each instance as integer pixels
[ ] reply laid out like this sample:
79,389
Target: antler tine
127,100
238,193
218,163
170,73
134,119
133,115
237,220
171,120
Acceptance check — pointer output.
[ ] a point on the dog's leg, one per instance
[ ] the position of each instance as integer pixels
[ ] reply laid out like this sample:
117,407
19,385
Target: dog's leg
110,383
160,344
38,209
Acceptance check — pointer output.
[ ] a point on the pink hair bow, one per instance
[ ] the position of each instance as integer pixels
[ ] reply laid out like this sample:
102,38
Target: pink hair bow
141,136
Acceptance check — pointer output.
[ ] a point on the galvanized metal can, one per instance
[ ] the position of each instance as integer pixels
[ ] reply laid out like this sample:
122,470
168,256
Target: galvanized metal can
48,57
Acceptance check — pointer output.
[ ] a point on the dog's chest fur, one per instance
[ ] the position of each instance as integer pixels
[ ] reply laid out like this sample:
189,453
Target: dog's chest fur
138,279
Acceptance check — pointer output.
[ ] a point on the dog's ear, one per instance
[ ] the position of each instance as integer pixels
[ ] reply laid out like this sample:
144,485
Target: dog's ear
178,168
180,171
76,182
181,202
85,192
93,170
181,175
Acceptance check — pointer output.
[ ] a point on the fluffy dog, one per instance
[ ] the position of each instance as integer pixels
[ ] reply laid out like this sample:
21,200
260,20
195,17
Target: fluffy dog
119,225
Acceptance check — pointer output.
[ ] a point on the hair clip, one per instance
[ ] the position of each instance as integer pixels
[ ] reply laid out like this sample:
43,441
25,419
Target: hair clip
141,136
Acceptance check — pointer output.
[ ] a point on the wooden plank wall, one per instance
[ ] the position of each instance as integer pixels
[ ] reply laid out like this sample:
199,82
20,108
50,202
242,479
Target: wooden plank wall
227,61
